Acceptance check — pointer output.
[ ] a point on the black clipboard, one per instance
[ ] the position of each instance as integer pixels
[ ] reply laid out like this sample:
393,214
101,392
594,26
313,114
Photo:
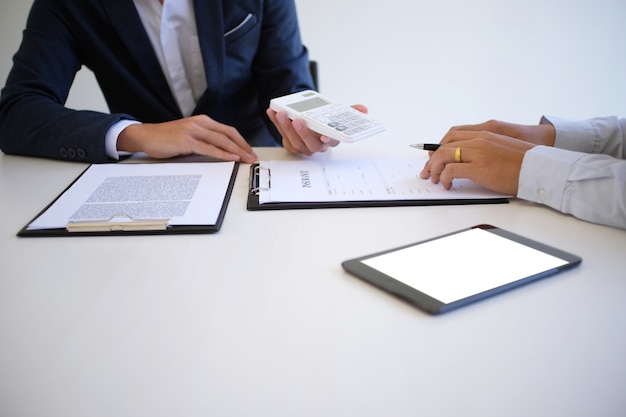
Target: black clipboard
254,205
135,227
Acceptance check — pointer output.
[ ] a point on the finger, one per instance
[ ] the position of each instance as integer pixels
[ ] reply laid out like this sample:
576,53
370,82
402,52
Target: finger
468,132
429,166
436,167
437,163
211,150
449,166
229,133
222,141
213,143
425,173
489,127
312,140
298,136
219,146
461,135
273,117
291,139
285,128
330,141
455,171
361,107
494,126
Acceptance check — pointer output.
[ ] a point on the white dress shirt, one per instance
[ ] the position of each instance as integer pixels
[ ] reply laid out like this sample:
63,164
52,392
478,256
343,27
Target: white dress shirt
172,30
584,174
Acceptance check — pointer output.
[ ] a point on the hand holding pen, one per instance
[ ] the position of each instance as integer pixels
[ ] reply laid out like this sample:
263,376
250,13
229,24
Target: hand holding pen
490,160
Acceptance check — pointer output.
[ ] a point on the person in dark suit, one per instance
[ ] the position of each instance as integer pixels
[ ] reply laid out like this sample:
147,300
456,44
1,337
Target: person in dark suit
232,57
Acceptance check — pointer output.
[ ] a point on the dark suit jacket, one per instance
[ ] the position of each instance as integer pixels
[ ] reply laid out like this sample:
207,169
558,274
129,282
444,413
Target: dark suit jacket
245,69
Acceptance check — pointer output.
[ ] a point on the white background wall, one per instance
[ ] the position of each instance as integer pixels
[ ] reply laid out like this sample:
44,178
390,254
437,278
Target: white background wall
424,66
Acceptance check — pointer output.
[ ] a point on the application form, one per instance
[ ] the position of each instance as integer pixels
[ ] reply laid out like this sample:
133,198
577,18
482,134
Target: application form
357,180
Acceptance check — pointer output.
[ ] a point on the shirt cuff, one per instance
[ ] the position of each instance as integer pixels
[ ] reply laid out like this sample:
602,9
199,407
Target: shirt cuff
110,139
544,175
574,135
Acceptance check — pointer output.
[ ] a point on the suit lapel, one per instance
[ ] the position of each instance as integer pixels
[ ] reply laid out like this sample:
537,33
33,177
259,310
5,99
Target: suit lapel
209,20
125,19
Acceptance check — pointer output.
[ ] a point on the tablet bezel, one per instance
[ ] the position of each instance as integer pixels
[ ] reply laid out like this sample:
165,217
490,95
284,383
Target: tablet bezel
431,305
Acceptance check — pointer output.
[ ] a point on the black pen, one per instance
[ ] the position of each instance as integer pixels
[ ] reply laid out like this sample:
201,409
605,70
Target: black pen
426,146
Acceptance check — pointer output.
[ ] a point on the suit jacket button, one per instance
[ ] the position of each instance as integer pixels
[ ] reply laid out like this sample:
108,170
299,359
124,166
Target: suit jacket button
81,153
71,152
63,152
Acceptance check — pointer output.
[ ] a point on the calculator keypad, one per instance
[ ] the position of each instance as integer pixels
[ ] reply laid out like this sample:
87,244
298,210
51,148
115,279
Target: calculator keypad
346,121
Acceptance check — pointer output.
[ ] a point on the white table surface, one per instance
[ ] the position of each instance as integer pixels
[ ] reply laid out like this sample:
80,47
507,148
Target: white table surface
260,319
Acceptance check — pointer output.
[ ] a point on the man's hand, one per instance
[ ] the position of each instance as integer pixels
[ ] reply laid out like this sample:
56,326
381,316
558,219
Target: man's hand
543,134
490,160
198,135
298,138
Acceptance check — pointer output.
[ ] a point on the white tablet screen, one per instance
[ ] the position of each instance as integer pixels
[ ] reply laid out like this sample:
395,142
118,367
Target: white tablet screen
464,264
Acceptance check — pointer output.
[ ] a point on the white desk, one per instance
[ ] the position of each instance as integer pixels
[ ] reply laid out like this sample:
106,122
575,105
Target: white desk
260,320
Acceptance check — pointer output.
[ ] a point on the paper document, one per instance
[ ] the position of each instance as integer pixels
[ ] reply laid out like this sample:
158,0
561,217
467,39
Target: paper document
183,193
357,180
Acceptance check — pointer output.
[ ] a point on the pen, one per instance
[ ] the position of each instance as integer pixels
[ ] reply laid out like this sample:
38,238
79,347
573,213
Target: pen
426,146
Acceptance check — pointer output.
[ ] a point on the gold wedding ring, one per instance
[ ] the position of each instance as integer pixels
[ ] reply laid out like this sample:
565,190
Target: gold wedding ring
457,155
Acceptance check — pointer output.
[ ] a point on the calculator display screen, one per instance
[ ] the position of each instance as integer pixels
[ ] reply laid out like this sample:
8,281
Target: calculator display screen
309,104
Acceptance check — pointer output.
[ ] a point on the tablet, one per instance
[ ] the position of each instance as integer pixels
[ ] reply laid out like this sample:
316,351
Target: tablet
450,271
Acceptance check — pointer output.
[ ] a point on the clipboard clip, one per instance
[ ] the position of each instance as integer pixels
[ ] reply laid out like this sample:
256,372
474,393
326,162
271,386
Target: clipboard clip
255,180
117,223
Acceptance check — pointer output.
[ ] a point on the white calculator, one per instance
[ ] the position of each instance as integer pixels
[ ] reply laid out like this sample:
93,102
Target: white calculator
326,117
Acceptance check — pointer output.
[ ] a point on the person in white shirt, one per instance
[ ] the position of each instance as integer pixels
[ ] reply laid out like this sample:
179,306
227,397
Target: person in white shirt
575,167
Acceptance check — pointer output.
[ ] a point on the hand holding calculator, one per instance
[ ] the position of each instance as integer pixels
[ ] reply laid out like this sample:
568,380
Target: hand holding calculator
324,116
